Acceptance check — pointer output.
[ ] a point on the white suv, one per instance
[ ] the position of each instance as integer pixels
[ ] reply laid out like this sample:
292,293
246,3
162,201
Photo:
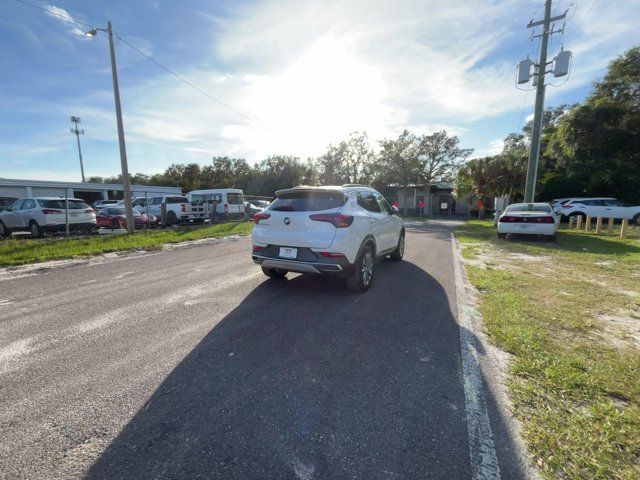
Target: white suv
600,207
338,230
47,214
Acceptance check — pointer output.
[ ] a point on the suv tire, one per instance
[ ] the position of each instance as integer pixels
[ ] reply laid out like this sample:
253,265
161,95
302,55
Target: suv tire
360,279
4,231
34,228
636,219
398,253
274,273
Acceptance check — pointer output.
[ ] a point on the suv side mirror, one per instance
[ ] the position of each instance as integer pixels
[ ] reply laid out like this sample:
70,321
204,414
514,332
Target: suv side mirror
394,210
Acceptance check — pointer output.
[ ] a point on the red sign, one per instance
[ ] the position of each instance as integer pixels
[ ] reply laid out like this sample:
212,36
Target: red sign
420,204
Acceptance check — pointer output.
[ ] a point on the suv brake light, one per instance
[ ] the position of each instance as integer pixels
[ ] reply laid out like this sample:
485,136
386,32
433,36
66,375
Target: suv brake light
339,220
331,254
260,216
48,211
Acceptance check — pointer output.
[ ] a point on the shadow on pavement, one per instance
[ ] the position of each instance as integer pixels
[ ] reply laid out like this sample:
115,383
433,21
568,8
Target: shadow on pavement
307,380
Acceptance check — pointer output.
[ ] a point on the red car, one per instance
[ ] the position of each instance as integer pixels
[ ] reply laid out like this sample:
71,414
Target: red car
116,218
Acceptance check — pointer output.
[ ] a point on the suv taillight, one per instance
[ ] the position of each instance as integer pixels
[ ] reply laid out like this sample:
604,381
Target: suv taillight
89,210
48,211
183,207
339,220
260,216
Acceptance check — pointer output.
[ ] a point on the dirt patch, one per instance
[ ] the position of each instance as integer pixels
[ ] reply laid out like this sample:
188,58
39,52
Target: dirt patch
621,329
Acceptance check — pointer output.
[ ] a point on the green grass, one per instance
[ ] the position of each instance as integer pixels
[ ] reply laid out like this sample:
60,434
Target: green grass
575,375
15,252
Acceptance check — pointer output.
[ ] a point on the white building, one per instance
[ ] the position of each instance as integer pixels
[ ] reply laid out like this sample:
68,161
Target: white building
89,192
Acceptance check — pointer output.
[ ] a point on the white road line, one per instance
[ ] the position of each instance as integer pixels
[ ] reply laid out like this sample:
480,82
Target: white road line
482,453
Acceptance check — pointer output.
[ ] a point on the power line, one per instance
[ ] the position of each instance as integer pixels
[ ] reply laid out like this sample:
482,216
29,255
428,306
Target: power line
151,59
49,12
187,82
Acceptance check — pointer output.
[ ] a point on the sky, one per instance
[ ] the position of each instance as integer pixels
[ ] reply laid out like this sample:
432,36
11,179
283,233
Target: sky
288,76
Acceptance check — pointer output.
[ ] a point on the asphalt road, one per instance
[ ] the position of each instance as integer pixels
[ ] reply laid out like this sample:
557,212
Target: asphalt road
189,363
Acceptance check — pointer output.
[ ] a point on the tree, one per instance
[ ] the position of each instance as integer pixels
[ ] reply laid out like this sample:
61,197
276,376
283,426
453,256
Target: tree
439,156
397,164
595,149
346,162
278,172
621,84
476,178
225,172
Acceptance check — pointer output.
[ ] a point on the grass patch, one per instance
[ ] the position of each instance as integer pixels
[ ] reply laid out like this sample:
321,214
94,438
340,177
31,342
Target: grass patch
15,252
569,313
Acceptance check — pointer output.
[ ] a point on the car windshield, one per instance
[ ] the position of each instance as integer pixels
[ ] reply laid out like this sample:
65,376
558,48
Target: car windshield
308,201
73,204
121,211
528,207
235,198
177,200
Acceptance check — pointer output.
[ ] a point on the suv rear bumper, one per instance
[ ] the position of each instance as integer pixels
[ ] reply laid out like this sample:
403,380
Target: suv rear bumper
307,261
297,266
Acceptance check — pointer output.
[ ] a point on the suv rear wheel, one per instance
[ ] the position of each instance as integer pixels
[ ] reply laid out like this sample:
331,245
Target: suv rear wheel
36,231
274,272
362,275
3,230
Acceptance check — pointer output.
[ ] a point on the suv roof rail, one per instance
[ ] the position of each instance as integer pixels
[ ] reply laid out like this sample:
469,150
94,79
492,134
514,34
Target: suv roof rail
354,185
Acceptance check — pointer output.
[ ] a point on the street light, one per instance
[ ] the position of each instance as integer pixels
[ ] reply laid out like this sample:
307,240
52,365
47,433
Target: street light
123,151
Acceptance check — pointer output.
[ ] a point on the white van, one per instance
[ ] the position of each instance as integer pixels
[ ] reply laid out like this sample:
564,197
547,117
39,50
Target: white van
230,201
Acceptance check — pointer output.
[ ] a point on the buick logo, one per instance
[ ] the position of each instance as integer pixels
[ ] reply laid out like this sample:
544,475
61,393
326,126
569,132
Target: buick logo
287,220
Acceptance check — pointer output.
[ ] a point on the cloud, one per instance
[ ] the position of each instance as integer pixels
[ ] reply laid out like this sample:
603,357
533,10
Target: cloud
65,18
313,72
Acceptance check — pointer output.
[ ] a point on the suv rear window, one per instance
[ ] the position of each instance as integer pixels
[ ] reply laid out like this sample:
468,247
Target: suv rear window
73,204
177,200
309,201
234,198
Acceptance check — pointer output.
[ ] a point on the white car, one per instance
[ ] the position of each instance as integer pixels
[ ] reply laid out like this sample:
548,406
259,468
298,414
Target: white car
327,230
600,207
47,214
528,219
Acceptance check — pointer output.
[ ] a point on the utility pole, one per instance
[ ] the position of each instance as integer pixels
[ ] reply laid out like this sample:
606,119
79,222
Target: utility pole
78,132
560,69
126,186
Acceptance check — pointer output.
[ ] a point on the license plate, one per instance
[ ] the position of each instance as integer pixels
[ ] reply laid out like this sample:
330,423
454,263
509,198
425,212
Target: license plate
524,227
288,252
74,214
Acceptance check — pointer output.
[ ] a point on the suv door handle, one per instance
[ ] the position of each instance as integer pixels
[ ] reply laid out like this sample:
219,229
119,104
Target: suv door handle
373,221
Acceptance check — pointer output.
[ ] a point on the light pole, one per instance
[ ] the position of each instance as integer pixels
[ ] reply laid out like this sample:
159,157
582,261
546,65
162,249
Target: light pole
126,186
78,132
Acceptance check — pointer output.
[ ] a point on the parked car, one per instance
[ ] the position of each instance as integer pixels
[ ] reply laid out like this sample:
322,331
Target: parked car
98,204
6,202
230,202
556,203
46,214
327,230
178,208
528,219
601,207
139,203
116,218
261,203
251,209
